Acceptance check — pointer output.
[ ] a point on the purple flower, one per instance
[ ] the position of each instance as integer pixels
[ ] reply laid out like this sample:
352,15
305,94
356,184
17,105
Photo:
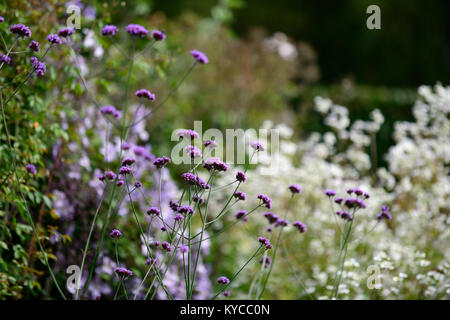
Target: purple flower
281,223
300,226
111,110
120,183
240,195
109,30
272,218
185,209
54,39
223,280
1,19
161,162
265,200
153,211
226,293
241,177
330,193
193,151
126,146
240,214
338,200
21,30
102,177
384,214
34,45
358,192
355,203
5,58
345,215
366,195
110,175
158,35
198,199
65,32
115,234
215,164
39,67
295,189
187,133
166,246
123,272
183,248
173,205
190,178
178,217
144,93
257,146
139,151
138,184
210,143
163,228
128,161
31,168
266,260
124,170
265,242
199,56
136,30
151,260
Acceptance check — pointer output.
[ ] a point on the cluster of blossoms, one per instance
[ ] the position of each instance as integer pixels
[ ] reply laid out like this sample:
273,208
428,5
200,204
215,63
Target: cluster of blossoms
39,66
265,242
123,273
192,180
20,30
265,200
384,214
115,234
161,162
111,110
144,93
223,280
215,164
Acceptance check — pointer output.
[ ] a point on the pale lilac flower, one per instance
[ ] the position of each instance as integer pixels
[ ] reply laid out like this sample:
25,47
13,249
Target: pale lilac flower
257,146
183,248
223,280
110,175
123,272
187,133
31,168
193,151
210,143
144,93
136,30
109,30
4,58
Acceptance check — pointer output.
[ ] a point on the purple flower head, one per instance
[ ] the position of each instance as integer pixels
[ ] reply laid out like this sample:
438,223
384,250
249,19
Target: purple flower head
240,214
139,150
185,209
54,39
300,226
128,161
338,200
202,183
198,199
199,56
102,177
153,211
123,272
269,229
223,280
109,30
108,110
126,146
163,229
138,184
31,168
295,189
215,164
240,176
366,195
4,58
240,195
330,193
110,175
193,151
346,215
183,248
144,93
355,203
265,242
158,35
266,260
190,178
281,223
384,214
34,45
124,170
161,162
350,191
226,293
39,67
166,246
257,146
120,183
173,205
151,260
65,32
210,143
21,30
272,218
187,133
2,19
265,200
178,217
115,234
136,30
